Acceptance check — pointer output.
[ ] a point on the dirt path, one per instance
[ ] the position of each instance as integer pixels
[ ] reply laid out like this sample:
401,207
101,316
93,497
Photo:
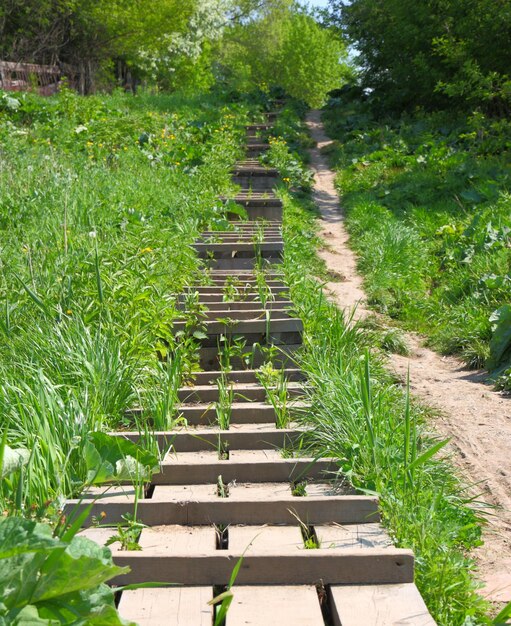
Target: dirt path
477,419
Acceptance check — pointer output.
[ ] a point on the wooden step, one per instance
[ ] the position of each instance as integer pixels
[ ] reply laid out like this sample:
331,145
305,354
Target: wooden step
245,302
269,314
241,412
256,347
210,300
249,287
246,504
380,605
306,567
286,605
259,127
245,278
245,376
245,392
245,237
242,466
244,229
257,183
238,437
219,306
256,148
182,606
255,138
254,169
278,327
257,199
235,247
242,263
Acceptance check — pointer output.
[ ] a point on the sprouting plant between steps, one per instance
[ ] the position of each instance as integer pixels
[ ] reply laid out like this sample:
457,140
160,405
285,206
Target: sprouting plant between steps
128,533
275,385
223,406
222,449
231,348
222,490
310,539
162,398
299,489
264,292
225,598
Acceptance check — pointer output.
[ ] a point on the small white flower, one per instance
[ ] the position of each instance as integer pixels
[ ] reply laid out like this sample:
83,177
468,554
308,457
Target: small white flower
92,234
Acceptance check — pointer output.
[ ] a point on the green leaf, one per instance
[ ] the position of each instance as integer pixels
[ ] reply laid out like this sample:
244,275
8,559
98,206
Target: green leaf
83,565
420,460
109,458
28,616
500,342
236,209
472,195
47,581
19,536
12,460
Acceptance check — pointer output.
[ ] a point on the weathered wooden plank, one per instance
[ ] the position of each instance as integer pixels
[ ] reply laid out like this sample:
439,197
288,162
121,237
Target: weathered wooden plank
204,467
238,315
257,539
247,391
171,606
208,356
178,539
241,413
219,307
238,437
243,376
352,536
300,567
379,605
283,605
182,504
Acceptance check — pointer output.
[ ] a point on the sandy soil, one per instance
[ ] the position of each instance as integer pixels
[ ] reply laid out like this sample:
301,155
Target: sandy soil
477,419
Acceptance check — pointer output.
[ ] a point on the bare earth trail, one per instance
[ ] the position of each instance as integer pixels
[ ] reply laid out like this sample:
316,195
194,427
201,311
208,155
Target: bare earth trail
477,419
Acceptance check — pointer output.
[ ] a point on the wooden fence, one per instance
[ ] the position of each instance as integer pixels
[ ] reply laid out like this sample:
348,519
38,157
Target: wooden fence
29,77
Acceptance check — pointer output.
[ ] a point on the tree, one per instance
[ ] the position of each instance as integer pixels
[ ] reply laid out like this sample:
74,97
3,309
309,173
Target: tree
282,46
311,60
89,34
430,52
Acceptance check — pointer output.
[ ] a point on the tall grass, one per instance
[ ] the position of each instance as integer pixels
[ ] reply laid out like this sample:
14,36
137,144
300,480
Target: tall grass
379,436
427,203
99,199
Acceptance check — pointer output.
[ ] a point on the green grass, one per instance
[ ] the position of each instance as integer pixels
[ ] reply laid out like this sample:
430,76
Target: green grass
429,212
100,199
380,437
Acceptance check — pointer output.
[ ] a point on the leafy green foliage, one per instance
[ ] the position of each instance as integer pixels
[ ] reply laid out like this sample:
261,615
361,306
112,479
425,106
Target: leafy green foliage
97,195
501,338
432,52
115,459
428,206
379,436
47,580
286,48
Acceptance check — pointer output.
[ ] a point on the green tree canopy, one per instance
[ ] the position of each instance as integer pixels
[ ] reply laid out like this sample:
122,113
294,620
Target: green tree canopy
283,46
425,53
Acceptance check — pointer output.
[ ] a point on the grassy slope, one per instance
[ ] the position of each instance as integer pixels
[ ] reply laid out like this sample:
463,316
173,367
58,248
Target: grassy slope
87,302
383,444
428,207
100,198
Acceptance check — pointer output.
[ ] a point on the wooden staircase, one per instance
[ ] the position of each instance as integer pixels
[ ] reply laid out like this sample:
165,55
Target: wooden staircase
313,552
